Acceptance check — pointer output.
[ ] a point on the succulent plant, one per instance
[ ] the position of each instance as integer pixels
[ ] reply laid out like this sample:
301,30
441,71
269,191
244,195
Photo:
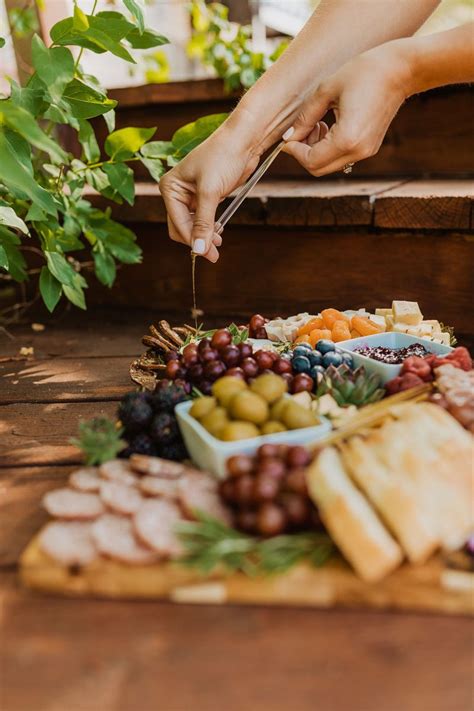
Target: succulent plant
351,387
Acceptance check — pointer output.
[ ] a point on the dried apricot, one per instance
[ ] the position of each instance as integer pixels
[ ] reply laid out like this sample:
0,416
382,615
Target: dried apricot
355,334
316,322
318,335
330,316
341,331
301,339
364,326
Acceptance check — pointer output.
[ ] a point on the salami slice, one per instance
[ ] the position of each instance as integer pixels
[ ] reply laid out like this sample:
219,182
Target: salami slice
115,538
120,498
70,504
155,524
85,479
118,470
154,466
196,493
156,486
68,542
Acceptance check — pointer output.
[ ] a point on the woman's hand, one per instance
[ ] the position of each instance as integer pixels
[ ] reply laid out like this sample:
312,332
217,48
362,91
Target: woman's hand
365,95
193,189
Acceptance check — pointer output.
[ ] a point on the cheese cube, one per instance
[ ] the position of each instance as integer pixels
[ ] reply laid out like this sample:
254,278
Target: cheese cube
383,312
379,321
407,312
400,328
389,322
435,325
423,330
444,338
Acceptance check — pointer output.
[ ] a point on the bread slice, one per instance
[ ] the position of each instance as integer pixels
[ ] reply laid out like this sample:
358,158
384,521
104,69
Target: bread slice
350,520
393,496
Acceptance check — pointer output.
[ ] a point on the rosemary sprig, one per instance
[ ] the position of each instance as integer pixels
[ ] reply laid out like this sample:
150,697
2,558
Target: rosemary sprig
449,329
99,439
210,544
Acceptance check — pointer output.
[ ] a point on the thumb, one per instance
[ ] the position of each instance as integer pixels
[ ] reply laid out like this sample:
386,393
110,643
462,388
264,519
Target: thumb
312,111
203,229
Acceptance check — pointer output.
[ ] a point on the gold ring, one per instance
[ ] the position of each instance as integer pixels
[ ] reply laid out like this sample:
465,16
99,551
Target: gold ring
348,168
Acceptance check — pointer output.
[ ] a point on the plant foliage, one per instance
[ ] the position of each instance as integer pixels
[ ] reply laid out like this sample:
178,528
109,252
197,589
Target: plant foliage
43,185
227,46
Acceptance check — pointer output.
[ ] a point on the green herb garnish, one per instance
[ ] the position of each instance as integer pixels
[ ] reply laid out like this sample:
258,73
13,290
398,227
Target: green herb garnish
449,329
210,544
99,439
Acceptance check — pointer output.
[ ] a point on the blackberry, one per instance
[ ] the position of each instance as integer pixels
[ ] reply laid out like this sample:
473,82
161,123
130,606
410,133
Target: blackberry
164,428
143,444
176,451
135,412
165,398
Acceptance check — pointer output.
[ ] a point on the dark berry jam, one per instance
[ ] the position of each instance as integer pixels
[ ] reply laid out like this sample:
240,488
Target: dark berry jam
392,356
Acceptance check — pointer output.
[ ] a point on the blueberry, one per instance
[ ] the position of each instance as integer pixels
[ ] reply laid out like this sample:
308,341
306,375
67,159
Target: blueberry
301,364
348,360
302,349
316,371
324,346
315,358
332,358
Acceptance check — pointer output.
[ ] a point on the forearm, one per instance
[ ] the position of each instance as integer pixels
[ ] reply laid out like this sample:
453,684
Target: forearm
337,31
442,58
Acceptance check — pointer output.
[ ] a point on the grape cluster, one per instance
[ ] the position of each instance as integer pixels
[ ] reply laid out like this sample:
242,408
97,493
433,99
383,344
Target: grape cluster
201,364
268,492
257,326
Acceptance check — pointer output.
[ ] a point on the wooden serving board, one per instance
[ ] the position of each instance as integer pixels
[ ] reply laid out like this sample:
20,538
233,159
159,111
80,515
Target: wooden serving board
430,587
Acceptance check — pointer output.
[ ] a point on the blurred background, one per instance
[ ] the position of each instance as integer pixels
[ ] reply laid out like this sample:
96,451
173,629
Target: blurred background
235,40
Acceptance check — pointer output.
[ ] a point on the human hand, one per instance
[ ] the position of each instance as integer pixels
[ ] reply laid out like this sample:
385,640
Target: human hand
193,189
365,95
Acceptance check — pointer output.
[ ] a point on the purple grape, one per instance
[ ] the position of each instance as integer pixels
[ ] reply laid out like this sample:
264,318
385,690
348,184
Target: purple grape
231,356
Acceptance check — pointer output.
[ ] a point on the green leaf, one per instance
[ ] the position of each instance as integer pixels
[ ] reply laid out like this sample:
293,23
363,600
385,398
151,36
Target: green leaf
98,38
16,175
10,243
24,123
50,289
55,66
75,294
3,256
99,440
104,267
35,214
146,40
60,268
114,24
121,179
86,103
30,98
88,141
137,10
154,166
123,143
109,119
157,149
2,42
192,134
9,218
80,20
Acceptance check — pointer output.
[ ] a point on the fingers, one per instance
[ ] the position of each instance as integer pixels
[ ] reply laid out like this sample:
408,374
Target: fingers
312,111
203,229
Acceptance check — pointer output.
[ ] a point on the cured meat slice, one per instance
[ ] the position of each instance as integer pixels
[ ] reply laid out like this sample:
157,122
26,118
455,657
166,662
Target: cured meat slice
121,498
115,538
156,486
68,542
118,470
154,466
198,492
155,524
70,504
85,479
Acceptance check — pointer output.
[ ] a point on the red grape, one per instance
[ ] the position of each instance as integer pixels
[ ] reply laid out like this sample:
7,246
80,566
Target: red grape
230,355
226,490
268,450
208,354
302,383
205,343
271,519
281,366
239,464
171,355
221,338
260,333
236,373
243,488
265,487
190,354
196,372
245,350
175,370
297,508
247,520
250,367
257,321
296,481
214,369
205,387
273,467
289,379
298,457
264,360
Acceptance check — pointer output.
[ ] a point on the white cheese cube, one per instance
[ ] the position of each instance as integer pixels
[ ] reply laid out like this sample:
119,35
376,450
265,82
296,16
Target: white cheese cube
443,338
389,322
407,312
400,328
379,321
423,330
383,312
435,325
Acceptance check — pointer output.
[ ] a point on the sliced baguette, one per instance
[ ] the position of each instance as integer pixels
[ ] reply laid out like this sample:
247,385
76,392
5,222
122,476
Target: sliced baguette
350,520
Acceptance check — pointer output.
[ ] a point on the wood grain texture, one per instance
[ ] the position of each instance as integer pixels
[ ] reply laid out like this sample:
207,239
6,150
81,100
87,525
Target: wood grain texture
118,656
41,433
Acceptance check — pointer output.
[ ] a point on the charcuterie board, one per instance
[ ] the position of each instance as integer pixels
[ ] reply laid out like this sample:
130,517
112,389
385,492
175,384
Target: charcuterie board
430,587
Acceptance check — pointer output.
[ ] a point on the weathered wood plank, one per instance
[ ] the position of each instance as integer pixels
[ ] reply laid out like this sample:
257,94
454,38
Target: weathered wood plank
396,663
21,514
41,433
426,204
285,271
64,380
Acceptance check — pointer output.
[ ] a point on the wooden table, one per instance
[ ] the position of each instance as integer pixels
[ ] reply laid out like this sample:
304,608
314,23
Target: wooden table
75,655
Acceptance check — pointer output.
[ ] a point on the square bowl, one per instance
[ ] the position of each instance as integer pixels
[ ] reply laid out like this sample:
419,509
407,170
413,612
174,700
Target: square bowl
211,454
387,340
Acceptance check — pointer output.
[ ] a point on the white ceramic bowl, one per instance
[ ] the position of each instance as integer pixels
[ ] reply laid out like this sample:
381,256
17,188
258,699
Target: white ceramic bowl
387,340
211,454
